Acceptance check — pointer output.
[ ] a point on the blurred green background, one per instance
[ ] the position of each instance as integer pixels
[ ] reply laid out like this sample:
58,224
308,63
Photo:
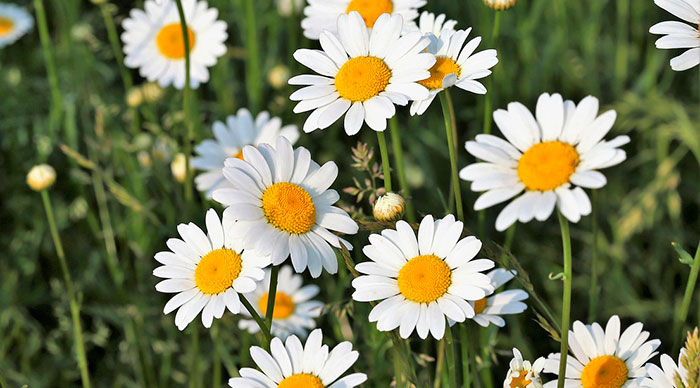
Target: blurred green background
115,214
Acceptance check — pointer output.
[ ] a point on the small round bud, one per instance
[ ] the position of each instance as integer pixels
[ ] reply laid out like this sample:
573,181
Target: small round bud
389,207
500,5
278,76
144,159
41,177
152,92
177,167
134,98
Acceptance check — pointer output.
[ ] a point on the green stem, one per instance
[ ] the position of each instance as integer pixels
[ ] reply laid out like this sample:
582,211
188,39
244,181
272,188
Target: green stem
271,295
488,100
385,160
689,289
464,344
451,131
398,158
56,104
593,291
253,70
74,307
187,104
194,357
216,373
450,356
510,234
566,305
256,317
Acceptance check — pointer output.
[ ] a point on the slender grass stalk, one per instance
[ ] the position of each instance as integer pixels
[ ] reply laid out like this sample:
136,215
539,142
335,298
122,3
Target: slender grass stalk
216,362
386,164
271,295
264,329
451,133
466,355
74,307
400,171
3,383
253,77
593,291
399,376
508,242
194,358
440,364
187,103
566,305
488,100
56,99
451,357
689,290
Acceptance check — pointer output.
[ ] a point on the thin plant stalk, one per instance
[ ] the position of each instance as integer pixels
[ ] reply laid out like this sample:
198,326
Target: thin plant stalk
566,304
466,355
194,358
56,99
400,171
264,329
450,132
74,307
216,363
187,103
271,295
450,356
689,290
386,164
488,101
593,291
253,71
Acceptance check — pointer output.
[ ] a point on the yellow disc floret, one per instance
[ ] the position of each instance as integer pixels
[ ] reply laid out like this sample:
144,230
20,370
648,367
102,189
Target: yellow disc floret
604,372
301,380
442,67
289,207
170,41
480,306
217,270
284,305
520,381
6,26
546,166
370,10
362,78
424,279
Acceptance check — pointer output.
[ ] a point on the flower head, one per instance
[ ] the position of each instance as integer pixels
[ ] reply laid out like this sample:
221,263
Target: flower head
41,177
489,309
550,156
178,167
500,5
15,21
523,374
685,374
389,207
678,35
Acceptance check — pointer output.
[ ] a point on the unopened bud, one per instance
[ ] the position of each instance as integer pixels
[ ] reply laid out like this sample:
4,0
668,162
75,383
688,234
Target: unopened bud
134,98
278,76
177,167
389,207
152,92
500,5
41,177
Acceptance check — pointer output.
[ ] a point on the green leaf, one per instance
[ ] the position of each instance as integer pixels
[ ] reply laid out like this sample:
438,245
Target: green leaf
683,255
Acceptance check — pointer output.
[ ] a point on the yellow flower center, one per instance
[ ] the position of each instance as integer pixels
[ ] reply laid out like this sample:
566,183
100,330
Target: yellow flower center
370,10
546,166
284,305
424,279
520,381
239,155
6,26
480,306
604,372
171,43
442,67
301,380
289,207
362,78
217,270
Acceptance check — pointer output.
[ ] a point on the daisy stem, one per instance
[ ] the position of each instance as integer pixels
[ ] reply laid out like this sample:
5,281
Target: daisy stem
216,363
451,132
593,291
464,344
398,158
566,305
74,306
56,104
386,165
689,289
256,317
194,358
187,104
451,356
269,312
253,77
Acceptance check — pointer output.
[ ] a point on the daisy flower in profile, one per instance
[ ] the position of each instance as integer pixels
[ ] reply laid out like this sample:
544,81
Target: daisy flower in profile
551,156
294,311
291,365
422,280
679,35
489,310
154,42
284,203
522,373
15,21
206,271
456,65
363,73
229,139
322,15
605,359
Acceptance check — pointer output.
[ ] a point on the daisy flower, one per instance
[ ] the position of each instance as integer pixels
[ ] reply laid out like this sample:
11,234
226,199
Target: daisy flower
422,280
282,198
428,23
362,72
523,374
488,310
670,375
550,157
294,311
322,15
456,65
291,365
230,138
680,35
154,43
206,271
604,359
15,21
500,5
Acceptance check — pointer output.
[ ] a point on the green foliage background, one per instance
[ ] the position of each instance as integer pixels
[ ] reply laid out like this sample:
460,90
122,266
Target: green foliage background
597,47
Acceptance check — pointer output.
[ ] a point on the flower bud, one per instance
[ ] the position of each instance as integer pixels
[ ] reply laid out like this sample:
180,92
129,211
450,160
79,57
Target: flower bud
278,76
500,5
177,167
152,92
134,98
41,177
389,207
